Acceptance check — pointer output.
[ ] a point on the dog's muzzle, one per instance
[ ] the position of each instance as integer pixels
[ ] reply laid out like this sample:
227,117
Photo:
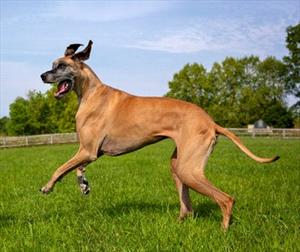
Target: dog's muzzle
63,86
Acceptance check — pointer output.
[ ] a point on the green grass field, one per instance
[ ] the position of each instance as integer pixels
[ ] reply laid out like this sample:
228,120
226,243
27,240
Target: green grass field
133,204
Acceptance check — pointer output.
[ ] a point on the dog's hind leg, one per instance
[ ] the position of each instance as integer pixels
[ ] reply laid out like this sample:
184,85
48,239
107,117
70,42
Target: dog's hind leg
183,190
82,181
190,171
203,186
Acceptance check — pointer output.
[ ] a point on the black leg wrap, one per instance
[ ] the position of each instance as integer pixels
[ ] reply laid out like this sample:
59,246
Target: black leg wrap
84,184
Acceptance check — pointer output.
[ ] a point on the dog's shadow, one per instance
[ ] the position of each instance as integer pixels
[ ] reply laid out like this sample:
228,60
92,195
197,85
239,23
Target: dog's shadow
203,209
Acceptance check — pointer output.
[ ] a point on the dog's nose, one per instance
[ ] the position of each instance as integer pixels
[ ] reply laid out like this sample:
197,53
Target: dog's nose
43,76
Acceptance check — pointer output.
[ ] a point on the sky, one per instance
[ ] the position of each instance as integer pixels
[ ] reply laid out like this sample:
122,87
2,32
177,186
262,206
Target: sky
138,45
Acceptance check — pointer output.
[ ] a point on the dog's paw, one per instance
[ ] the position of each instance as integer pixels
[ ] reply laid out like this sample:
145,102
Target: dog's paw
45,190
84,188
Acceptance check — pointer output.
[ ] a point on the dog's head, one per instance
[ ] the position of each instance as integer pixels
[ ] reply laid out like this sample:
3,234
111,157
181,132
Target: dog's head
66,71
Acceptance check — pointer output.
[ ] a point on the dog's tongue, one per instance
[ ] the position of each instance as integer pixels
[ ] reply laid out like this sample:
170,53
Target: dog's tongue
61,88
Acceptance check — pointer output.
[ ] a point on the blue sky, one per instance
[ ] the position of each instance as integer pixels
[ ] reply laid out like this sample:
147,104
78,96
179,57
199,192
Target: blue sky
138,45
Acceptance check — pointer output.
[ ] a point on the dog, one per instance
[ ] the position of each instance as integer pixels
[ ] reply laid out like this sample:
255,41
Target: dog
112,122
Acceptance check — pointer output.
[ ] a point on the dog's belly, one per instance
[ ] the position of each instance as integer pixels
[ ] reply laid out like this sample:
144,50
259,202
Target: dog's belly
113,146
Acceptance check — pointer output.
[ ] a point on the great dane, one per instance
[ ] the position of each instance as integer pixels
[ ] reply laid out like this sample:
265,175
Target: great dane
112,122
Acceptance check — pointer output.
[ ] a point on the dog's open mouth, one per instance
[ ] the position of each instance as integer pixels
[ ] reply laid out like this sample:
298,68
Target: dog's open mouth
63,88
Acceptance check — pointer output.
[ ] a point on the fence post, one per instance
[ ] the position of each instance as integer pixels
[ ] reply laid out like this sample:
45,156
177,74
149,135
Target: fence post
283,133
26,140
51,139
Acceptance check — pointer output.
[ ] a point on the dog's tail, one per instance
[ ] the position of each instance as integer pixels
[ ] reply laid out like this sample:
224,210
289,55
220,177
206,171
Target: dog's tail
243,148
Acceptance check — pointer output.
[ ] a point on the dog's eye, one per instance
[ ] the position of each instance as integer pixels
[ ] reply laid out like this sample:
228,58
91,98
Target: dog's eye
61,66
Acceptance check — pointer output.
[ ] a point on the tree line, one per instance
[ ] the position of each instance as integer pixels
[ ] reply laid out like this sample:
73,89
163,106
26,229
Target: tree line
235,92
40,113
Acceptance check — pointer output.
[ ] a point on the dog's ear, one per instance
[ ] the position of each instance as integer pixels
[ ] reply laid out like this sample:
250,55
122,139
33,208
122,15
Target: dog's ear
84,54
71,49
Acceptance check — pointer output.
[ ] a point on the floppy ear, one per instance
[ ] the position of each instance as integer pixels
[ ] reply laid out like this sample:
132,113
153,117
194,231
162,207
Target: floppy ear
84,54
71,49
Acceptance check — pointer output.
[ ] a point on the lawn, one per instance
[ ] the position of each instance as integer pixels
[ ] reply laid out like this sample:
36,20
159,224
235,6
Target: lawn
133,204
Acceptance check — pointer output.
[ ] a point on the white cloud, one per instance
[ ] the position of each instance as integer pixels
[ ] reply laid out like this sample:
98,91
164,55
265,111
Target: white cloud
241,36
184,41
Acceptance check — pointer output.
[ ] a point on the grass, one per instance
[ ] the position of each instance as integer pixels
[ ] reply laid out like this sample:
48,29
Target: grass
133,204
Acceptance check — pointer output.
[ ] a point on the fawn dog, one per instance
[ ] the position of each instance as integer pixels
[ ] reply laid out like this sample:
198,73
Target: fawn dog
112,122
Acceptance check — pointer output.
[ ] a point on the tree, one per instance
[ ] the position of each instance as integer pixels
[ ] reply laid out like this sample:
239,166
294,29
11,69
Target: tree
292,62
3,125
227,80
19,118
42,113
191,84
278,116
63,111
236,92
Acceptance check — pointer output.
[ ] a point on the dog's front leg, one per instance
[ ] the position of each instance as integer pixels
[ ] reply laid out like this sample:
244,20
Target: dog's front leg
82,181
82,157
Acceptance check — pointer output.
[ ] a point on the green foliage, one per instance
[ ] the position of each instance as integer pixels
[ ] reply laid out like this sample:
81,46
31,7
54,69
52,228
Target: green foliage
279,116
3,125
236,92
292,61
187,85
19,117
63,111
133,204
42,113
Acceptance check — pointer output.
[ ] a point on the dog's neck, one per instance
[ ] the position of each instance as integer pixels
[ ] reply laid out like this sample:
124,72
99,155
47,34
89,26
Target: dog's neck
87,83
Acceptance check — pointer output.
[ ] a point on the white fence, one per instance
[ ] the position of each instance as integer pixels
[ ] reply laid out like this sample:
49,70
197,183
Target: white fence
269,132
19,141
